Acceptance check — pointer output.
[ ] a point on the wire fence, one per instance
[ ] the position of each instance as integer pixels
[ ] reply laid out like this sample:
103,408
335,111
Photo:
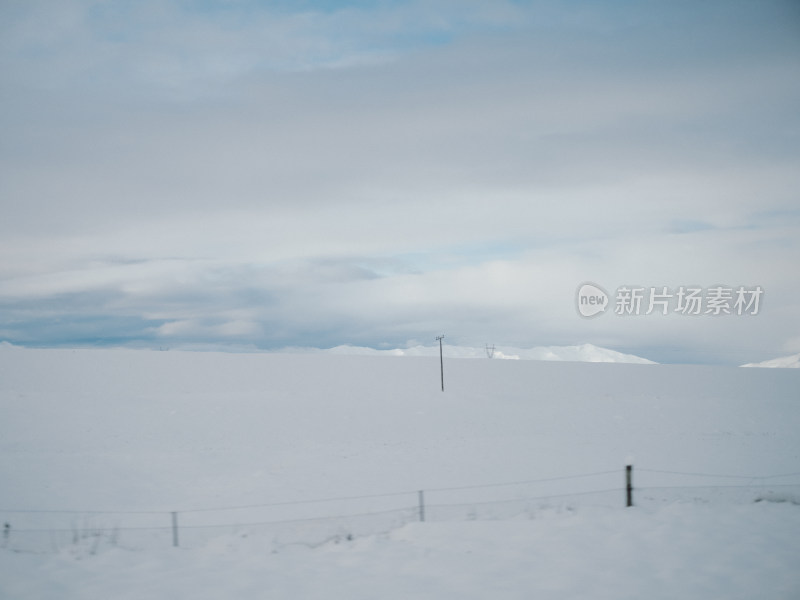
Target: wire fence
312,522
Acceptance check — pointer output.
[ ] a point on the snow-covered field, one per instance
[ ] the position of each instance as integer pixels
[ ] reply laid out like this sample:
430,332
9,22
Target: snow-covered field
298,476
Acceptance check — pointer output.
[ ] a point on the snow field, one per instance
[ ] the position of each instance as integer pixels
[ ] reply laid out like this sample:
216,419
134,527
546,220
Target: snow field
93,431
679,551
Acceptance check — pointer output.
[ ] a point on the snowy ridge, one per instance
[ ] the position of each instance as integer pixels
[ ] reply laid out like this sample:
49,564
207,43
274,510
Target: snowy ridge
784,362
580,353
577,353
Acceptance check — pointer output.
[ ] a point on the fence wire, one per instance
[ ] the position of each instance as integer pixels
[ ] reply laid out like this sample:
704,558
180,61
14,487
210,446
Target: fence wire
312,522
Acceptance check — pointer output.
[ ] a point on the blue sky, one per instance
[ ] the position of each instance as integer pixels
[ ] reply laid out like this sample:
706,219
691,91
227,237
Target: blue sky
274,174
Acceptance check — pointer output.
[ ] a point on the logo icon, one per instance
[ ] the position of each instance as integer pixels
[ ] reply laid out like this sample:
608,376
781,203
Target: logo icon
591,299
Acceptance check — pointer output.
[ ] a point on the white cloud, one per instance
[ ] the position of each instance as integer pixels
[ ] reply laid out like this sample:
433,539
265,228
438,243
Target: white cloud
192,329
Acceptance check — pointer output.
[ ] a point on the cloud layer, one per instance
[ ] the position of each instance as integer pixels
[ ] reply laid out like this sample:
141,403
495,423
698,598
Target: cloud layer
377,173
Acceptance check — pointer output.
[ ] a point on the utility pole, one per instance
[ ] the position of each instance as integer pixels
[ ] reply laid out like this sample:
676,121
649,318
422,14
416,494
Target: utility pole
441,360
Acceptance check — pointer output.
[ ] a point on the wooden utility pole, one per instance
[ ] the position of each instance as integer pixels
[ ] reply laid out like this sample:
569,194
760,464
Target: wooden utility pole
629,485
175,529
441,360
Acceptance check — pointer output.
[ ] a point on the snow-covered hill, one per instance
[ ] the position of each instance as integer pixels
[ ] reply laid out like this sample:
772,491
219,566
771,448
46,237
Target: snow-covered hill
784,362
299,476
580,353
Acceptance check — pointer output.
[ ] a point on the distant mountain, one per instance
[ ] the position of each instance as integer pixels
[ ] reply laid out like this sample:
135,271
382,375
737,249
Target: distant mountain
582,353
784,362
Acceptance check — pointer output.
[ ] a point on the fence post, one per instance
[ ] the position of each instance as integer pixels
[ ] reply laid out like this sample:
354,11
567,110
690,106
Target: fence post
629,485
175,529
421,506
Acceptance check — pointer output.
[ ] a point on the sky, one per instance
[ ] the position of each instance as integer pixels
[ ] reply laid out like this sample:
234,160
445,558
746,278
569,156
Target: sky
266,175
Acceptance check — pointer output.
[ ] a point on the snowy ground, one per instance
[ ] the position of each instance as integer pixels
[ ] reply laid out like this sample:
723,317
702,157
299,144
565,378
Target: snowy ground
681,551
242,447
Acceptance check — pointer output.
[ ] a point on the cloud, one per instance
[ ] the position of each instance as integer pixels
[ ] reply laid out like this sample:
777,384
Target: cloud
194,329
367,174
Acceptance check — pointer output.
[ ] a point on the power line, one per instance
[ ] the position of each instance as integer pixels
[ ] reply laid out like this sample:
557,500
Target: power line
718,475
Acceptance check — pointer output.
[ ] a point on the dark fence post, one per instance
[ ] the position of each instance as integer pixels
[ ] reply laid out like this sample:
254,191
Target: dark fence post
175,529
629,485
421,506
